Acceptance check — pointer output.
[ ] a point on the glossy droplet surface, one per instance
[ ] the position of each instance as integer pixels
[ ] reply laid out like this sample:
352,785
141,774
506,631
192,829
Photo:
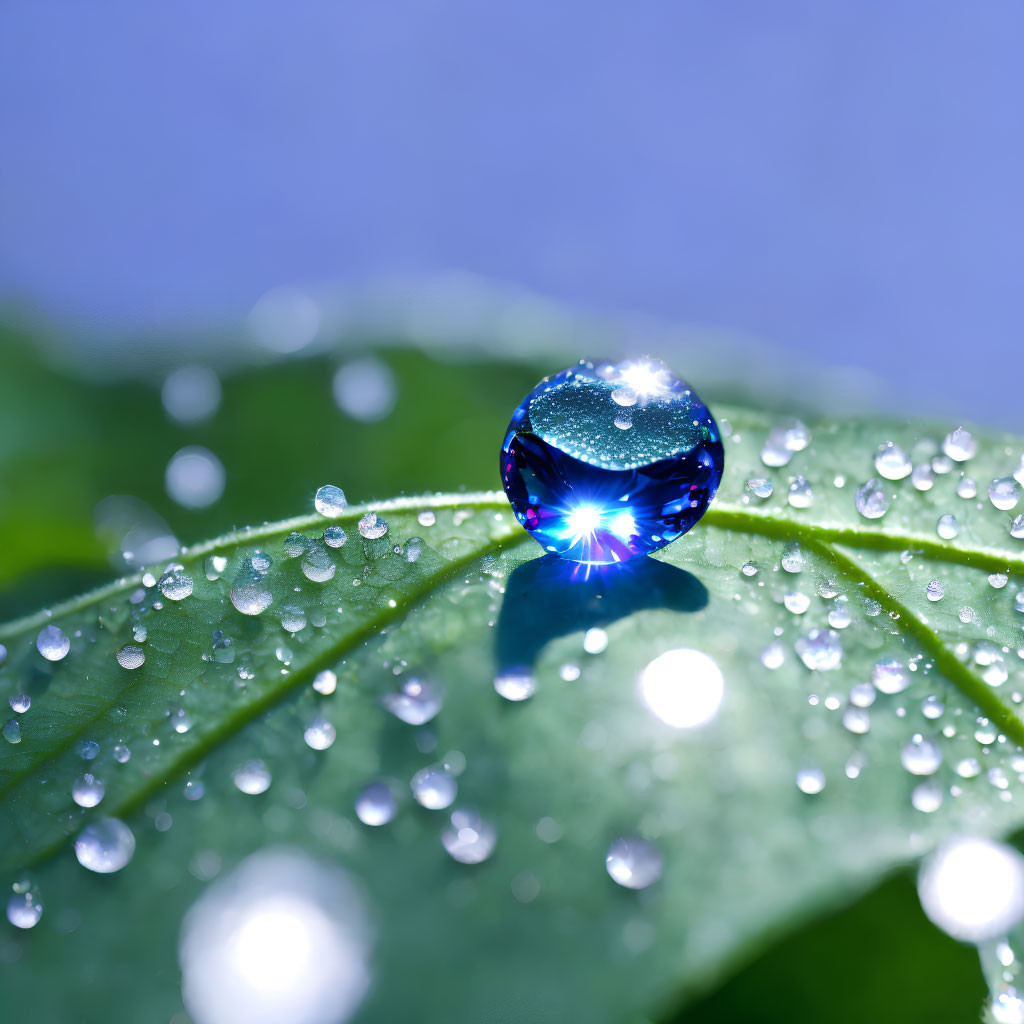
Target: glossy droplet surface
105,845
634,863
591,492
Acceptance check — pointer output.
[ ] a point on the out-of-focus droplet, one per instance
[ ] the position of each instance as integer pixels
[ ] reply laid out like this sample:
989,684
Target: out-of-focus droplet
469,838
252,777
960,445
416,703
195,477
683,687
873,499
633,862
365,389
434,788
52,643
319,734
191,394
105,845
892,462
376,804
515,684
821,650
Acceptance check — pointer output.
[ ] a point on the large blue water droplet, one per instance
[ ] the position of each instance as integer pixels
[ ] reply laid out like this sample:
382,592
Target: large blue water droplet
605,461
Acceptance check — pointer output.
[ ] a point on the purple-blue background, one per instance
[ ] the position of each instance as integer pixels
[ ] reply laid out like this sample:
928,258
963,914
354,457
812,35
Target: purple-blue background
840,179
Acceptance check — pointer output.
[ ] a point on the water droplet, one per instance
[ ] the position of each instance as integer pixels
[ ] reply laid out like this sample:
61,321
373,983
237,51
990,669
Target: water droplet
376,804
24,908
810,781
921,756
20,703
11,731
948,528
1017,527
469,839
959,445
857,719
330,501
325,682
215,566
932,707
295,545
760,487
175,584
873,499
800,494
683,687
52,643
923,478
998,580
426,518
821,650
195,478
87,791
672,449
890,676
293,619
317,565
973,889
569,672
595,640
252,778
105,845
862,695
748,569
968,768
434,788
934,591
320,734
892,462
634,863
1004,493
371,527
121,753
839,617
416,703
796,602
335,536
927,797
131,656
515,684
792,558
773,656
967,488
250,595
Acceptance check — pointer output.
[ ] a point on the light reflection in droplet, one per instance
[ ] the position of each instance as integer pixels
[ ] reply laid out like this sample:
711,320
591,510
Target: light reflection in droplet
282,938
683,687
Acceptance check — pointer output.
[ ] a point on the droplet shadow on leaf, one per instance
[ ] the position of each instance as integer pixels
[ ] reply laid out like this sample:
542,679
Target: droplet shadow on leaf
550,597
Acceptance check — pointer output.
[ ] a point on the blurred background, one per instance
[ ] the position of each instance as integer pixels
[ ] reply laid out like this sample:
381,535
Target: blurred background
247,249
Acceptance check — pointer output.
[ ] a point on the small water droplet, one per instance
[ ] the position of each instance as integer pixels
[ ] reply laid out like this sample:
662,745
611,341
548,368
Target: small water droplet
175,584
873,499
796,602
892,462
330,501
515,684
426,518
131,656
295,544
469,839
335,536
934,591
748,569
890,676
416,703
998,580
105,845
87,791
595,640
947,527
52,643
960,445
11,731
195,477
20,703
376,804
434,788
293,619
967,488
371,527
923,478
810,780
1017,527
634,863
325,682
792,558
821,650
800,493
921,756
121,753
1004,493
252,778
927,797
773,656
857,719
760,487
683,687
24,908
319,734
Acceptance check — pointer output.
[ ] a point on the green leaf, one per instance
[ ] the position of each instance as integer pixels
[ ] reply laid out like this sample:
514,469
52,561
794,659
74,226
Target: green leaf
538,931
